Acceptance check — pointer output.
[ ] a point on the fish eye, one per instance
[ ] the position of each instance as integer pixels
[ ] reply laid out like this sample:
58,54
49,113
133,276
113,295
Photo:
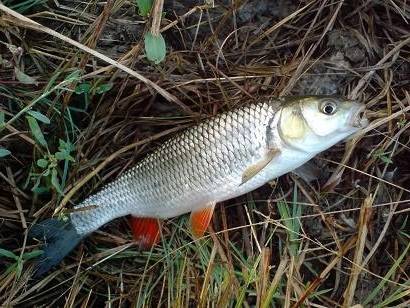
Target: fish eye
328,108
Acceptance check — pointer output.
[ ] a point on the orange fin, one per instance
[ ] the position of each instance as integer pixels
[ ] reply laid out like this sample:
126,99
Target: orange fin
145,231
201,218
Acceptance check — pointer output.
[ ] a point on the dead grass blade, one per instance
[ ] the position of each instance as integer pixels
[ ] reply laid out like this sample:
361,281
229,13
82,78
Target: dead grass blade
362,230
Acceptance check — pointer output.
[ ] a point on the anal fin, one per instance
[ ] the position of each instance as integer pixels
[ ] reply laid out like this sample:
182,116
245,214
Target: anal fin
201,218
145,231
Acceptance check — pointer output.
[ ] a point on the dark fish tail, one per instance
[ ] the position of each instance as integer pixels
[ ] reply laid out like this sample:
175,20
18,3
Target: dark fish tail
60,237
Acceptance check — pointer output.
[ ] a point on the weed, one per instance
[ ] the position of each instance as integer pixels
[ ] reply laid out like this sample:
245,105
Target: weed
17,262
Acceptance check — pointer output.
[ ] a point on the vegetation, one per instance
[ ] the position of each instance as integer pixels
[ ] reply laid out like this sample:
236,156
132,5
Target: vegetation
89,87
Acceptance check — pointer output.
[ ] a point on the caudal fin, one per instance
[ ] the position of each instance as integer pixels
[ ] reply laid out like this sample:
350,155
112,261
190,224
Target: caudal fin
60,237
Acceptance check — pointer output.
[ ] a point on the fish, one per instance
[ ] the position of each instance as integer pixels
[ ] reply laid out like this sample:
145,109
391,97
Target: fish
220,158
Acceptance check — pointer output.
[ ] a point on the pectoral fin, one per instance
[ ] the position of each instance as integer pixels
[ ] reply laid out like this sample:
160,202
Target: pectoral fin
201,218
145,231
254,169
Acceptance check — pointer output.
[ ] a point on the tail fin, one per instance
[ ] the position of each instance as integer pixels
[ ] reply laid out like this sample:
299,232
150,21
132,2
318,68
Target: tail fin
60,237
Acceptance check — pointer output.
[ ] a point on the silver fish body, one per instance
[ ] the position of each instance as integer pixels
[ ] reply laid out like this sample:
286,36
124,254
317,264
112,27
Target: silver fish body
203,164
221,158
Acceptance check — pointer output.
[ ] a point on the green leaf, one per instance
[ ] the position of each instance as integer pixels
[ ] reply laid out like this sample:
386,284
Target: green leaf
24,6
40,189
103,88
83,88
386,159
55,181
43,163
11,268
154,47
24,78
73,76
144,7
36,184
4,152
64,156
379,288
401,123
1,118
64,151
19,268
7,254
36,131
51,82
39,116
63,146
61,155
32,254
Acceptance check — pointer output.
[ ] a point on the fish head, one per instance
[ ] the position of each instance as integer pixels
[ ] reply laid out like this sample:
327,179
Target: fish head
315,123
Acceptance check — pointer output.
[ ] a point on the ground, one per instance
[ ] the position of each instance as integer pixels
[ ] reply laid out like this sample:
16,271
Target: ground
68,117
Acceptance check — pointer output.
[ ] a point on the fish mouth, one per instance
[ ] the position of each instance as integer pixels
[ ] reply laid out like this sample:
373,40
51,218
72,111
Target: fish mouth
358,118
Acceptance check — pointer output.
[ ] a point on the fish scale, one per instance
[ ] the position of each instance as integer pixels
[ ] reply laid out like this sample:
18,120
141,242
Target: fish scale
186,171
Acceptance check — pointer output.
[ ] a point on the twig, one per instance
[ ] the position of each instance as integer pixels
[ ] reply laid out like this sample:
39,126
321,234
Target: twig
156,19
16,198
275,281
364,217
383,232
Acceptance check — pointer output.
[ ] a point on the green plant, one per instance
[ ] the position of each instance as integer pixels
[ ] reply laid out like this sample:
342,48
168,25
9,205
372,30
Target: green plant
155,47
398,293
49,165
17,265
4,152
144,7
383,156
291,220
88,90
23,6
401,123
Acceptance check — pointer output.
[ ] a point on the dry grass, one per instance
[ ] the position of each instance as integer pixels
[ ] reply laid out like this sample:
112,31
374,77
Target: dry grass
341,240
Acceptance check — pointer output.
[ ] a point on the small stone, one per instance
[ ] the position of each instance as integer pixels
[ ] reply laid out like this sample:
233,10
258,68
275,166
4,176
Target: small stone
341,40
355,54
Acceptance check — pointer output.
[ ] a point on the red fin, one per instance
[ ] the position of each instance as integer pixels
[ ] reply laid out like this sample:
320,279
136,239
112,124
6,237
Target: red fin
146,231
200,220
